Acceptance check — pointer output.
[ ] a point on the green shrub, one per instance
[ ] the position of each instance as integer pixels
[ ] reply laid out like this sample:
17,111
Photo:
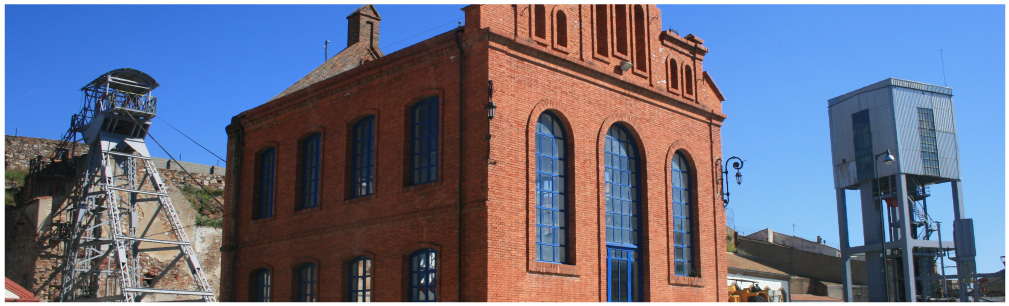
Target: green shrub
203,200
208,221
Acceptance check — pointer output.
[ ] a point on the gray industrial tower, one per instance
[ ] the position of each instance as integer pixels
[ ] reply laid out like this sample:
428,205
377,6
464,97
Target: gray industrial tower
122,217
891,140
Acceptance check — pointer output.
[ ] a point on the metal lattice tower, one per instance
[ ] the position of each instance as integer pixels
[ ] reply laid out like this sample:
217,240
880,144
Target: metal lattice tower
122,218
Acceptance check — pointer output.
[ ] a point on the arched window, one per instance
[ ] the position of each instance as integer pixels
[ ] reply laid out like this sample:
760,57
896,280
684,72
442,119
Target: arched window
424,141
363,166
551,191
540,20
688,80
260,285
602,30
640,46
674,75
620,22
310,152
623,215
683,216
267,160
423,276
561,26
307,278
360,280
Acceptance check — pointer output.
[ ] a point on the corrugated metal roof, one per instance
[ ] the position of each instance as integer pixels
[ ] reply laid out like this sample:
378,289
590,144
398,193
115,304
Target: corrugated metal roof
893,82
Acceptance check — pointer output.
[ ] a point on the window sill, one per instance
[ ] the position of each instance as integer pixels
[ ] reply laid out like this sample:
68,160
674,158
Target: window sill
305,211
422,186
264,220
553,269
688,281
359,199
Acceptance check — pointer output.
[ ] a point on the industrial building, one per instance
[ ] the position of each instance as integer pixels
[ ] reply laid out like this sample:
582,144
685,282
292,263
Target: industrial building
537,153
893,141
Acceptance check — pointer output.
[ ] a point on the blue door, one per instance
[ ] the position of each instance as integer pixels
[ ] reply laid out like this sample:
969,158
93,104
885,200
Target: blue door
622,272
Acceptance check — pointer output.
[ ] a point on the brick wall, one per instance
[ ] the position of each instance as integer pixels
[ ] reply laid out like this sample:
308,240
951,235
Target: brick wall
491,204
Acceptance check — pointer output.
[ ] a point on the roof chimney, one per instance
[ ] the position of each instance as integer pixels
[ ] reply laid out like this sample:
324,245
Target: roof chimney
362,26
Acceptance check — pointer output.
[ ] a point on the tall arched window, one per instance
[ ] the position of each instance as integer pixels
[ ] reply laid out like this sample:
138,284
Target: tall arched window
423,276
623,215
551,191
640,45
363,167
683,216
688,80
674,75
602,21
307,278
424,141
267,160
540,20
260,285
561,26
310,152
360,280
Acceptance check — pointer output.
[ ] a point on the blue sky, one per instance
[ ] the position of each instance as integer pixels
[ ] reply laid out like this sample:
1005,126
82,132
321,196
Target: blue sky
776,65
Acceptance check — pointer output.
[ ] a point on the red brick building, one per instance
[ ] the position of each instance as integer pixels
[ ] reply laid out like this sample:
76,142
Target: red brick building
382,177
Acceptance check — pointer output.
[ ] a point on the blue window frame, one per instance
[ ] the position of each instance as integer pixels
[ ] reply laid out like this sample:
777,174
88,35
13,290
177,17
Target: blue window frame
267,160
424,142
363,170
683,217
929,145
310,171
551,191
622,215
423,276
862,137
360,280
261,285
307,278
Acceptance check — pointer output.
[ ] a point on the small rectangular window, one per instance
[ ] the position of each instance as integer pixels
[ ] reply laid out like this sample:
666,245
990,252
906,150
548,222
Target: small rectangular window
862,132
310,171
266,183
929,144
363,166
424,142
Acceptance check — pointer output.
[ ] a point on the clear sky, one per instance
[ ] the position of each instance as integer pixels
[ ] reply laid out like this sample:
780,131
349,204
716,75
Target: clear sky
777,66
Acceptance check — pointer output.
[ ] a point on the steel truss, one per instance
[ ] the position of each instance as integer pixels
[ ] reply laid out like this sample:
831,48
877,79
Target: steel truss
122,218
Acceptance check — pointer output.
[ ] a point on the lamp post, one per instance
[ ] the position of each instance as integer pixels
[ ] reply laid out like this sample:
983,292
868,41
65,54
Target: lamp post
725,175
882,226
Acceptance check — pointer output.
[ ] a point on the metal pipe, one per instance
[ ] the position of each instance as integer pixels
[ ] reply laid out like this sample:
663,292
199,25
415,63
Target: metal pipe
942,258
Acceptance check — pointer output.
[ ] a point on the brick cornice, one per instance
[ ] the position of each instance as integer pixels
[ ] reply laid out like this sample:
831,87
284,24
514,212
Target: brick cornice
581,71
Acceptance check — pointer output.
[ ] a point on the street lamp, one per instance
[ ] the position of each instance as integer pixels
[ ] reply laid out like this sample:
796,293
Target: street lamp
725,175
882,226
491,108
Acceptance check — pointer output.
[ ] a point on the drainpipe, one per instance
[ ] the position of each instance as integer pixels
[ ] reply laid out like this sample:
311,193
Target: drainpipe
458,44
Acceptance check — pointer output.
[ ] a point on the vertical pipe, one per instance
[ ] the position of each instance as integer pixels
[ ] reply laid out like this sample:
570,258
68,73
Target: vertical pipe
942,258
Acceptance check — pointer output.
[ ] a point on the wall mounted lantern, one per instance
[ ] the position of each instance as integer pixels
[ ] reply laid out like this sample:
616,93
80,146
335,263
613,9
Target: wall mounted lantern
738,164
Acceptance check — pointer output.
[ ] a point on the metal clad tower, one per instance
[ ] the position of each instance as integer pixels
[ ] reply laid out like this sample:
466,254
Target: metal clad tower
891,140
123,217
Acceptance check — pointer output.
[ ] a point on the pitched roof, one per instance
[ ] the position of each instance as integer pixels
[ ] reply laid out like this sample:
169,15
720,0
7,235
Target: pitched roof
16,293
742,264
